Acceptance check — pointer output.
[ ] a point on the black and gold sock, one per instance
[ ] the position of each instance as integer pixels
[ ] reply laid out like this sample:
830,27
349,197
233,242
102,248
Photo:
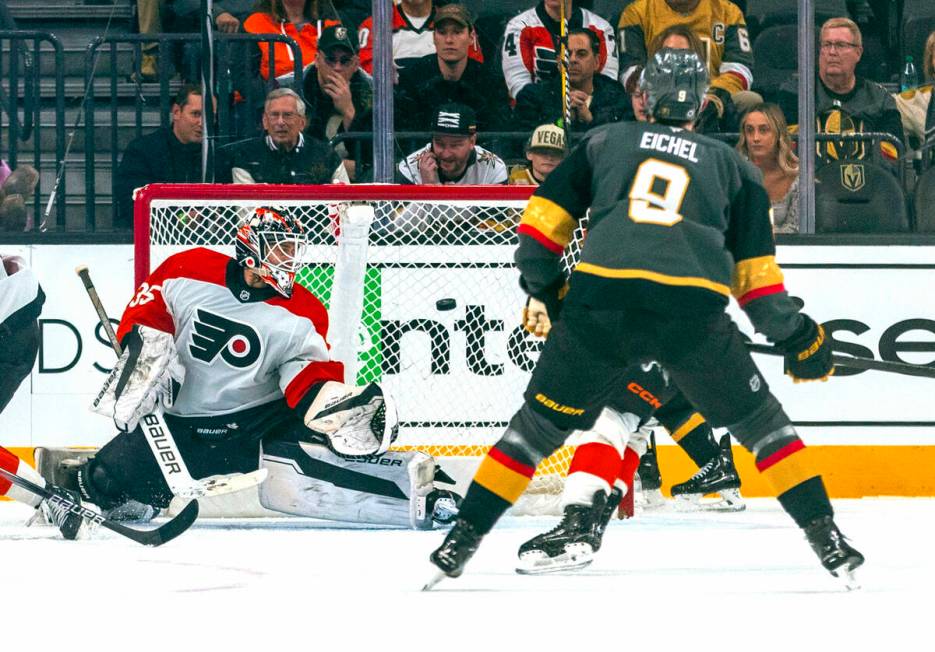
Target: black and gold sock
798,485
501,479
696,438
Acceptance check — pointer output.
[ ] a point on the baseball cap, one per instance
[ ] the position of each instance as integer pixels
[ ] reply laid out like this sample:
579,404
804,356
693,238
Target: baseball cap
454,118
454,12
547,137
338,36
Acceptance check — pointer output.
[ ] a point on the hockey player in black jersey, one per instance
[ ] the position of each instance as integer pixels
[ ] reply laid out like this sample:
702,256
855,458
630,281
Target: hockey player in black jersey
679,223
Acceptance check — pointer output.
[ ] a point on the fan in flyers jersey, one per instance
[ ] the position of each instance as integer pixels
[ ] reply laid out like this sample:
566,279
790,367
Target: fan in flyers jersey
237,354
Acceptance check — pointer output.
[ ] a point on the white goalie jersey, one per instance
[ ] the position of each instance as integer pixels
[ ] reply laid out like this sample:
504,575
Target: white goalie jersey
241,347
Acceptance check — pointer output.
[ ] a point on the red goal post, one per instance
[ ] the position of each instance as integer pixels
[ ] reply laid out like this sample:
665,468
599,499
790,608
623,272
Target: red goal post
428,292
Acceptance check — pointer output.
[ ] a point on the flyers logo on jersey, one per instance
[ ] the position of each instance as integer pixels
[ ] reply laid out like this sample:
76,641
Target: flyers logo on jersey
236,342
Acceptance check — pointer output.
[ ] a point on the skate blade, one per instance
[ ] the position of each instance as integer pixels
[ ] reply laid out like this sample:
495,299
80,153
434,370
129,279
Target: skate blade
729,501
434,580
537,562
651,500
846,575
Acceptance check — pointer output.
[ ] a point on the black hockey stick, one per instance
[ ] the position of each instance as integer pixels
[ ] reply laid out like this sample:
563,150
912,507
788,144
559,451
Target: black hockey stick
858,363
160,535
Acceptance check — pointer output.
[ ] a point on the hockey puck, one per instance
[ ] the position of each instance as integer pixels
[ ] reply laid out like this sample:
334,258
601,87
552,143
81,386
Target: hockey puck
446,304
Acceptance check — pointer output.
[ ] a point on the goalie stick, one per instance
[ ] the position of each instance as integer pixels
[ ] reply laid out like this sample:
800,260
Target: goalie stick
858,363
156,537
159,437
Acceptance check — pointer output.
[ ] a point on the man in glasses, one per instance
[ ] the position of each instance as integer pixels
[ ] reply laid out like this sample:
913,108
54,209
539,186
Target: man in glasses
284,154
339,94
844,102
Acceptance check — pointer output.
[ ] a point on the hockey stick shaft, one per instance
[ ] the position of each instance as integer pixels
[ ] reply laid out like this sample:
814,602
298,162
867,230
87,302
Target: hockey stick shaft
85,276
563,65
156,537
858,363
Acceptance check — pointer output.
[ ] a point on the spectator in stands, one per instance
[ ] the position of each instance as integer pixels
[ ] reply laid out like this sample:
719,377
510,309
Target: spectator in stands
915,104
845,103
339,94
765,142
453,156
285,154
544,151
719,23
414,22
16,190
167,155
449,74
149,21
531,43
595,99
300,20
185,17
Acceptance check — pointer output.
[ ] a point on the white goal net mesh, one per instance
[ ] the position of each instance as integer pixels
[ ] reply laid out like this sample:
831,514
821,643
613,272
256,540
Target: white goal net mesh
440,320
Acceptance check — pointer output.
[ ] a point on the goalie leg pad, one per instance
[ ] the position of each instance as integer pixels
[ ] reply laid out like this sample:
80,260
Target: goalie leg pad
355,420
307,479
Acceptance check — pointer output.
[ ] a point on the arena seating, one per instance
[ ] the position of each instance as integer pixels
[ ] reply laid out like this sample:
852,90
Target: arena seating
858,197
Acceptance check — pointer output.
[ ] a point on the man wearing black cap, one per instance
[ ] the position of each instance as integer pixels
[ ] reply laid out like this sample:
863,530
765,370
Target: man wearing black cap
339,94
450,75
453,156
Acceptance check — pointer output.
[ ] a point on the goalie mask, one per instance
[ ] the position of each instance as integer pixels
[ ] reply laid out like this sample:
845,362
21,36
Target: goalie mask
274,245
676,81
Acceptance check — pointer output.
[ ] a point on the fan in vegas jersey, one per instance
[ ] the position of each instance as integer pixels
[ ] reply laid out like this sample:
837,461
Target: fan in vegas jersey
627,303
531,43
236,355
21,300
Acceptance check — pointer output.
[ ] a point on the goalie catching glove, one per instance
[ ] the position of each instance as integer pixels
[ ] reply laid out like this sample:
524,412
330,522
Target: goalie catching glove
147,372
355,420
808,353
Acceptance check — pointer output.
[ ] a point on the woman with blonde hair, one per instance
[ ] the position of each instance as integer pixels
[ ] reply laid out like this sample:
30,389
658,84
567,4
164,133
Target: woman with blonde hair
913,103
765,142
300,20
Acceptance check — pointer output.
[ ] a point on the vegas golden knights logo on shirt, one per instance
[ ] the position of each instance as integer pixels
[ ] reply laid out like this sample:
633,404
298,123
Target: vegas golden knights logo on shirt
852,176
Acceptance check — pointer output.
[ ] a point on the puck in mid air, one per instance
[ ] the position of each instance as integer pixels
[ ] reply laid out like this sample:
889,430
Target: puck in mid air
446,304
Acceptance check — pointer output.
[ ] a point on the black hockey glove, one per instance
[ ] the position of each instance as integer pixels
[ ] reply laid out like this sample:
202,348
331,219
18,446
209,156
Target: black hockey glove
808,352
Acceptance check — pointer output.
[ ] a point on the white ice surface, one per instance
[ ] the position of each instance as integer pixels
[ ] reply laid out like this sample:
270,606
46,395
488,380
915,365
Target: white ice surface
664,581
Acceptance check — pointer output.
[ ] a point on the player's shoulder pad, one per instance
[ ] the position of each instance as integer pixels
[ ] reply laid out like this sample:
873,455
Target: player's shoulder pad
200,264
304,304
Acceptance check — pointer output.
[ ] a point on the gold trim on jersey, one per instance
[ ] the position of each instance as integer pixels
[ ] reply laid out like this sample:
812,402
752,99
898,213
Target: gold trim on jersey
655,277
755,273
549,219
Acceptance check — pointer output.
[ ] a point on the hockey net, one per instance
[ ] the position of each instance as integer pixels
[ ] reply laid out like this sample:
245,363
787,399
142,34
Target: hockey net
429,294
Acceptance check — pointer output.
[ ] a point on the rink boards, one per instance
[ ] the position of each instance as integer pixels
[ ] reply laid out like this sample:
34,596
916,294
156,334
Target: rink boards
871,433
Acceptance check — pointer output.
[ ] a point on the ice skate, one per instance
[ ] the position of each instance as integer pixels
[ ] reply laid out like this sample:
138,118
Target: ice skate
571,544
835,554
450,558
718,476
649,480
